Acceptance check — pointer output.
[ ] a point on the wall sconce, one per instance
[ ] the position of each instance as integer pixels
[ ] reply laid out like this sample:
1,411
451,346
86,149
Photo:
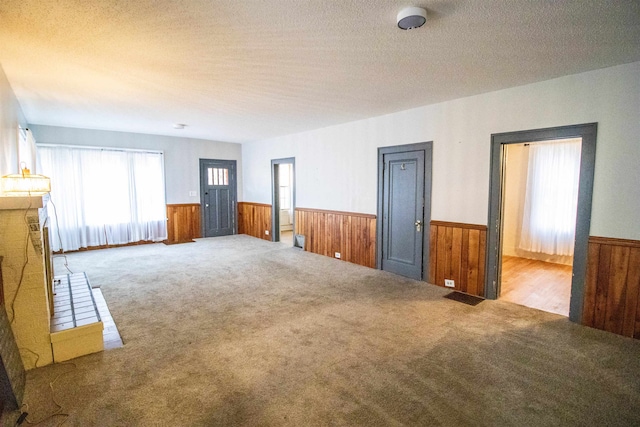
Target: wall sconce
25,184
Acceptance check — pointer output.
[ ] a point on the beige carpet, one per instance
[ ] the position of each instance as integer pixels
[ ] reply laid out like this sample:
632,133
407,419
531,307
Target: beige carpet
237,331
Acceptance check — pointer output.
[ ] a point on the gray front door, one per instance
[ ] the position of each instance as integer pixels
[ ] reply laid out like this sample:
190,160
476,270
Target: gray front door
403,225
218,197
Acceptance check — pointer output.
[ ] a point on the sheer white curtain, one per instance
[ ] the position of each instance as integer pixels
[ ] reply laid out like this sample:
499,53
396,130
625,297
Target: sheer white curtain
103,196
551,201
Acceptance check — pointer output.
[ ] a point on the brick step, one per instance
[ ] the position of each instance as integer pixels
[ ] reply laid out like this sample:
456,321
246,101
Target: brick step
76,326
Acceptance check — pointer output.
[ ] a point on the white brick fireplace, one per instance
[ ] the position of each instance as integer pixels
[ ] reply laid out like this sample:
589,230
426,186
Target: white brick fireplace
21,224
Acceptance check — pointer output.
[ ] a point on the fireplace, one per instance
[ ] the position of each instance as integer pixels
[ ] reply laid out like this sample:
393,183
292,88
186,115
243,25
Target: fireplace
27,296
12,375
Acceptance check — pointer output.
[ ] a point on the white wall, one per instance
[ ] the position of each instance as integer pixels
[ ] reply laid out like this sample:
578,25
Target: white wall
10,117
336,166
181,155
515,187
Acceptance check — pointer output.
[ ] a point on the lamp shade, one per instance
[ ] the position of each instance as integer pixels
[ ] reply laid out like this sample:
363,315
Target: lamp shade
25,184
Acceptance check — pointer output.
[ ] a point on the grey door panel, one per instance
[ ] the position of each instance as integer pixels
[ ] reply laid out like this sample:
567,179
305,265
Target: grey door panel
218,195
403,213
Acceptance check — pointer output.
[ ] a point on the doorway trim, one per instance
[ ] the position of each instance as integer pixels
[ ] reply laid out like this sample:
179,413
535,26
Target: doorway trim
427,147
275,196
499,141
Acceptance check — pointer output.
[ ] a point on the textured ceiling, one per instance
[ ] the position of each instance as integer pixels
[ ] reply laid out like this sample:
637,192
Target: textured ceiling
244,70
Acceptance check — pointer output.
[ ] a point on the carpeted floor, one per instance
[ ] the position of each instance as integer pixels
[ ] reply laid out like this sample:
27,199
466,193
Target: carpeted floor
237,331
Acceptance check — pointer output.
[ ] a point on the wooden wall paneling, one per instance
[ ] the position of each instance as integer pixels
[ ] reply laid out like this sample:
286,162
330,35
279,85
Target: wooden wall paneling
448,255
346,231
433,251
464,259
456,256
631,319
313,242
616,297
482,262
254,219
636,333
602,286
183,223
315,234
356,242
474,262
308,231
357,246
457,252
373,232
441,255
328,232
322,237
589,297
612,288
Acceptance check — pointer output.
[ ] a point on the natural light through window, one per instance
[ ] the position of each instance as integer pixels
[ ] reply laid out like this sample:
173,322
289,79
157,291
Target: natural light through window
549,220
104,196
218,176
284,177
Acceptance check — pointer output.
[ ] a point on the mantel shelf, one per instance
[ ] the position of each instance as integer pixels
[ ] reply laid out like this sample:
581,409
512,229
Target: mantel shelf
23,202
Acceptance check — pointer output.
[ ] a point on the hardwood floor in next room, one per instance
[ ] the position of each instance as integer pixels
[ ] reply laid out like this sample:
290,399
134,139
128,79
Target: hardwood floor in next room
536,284
286,237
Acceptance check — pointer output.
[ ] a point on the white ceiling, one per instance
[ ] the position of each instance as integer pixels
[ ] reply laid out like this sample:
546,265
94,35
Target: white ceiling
245,70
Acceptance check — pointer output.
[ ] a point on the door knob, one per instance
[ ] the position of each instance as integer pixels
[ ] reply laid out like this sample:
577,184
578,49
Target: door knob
418,225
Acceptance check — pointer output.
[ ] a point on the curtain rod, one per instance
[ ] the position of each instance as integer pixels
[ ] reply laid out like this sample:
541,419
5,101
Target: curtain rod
89,147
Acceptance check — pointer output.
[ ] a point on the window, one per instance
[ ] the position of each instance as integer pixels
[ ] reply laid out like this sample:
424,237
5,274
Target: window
218,176
551,200
284,176
104,196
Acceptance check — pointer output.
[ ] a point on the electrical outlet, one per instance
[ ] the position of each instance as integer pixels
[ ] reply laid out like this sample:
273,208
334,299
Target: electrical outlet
266,232
338,255
192,193
449,283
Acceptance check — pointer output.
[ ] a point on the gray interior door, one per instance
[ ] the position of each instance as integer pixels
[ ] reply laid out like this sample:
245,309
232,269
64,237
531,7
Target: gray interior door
403,213
218,197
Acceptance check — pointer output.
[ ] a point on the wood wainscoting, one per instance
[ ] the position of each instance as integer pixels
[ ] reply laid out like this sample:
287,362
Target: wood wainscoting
457,251
612,287
183,223
254,219
353,235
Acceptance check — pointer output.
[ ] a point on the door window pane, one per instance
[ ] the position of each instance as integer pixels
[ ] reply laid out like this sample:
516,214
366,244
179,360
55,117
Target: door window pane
218,176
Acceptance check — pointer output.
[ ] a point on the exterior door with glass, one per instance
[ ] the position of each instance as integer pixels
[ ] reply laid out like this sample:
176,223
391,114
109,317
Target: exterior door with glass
218,197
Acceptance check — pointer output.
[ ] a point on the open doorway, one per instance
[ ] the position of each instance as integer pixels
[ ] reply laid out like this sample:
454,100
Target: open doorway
586,133
283,200
538,228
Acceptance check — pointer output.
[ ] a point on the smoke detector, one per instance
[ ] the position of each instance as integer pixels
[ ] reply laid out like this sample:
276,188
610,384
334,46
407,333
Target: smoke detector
411,17
179,126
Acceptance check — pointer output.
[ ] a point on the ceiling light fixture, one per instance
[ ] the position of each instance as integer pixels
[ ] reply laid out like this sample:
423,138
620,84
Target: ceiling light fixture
411,17
179,126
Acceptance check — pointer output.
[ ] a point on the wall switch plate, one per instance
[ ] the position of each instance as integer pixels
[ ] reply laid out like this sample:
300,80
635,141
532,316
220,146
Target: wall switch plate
449,283
193,193
338,255
266,232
